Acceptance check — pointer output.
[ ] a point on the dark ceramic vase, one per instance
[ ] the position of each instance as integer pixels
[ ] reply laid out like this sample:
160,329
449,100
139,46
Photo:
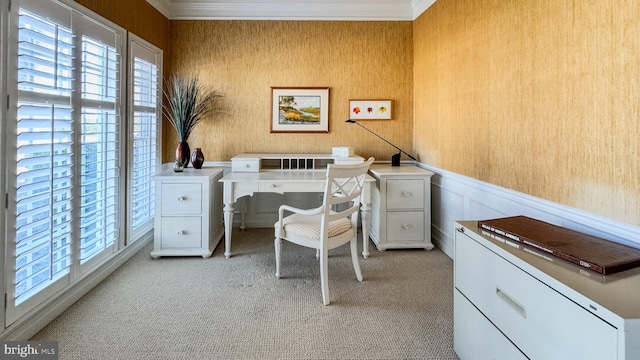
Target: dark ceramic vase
183,153
197,158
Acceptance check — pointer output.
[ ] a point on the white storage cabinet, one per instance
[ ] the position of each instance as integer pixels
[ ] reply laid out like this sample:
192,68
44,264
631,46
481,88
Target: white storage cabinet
401,207
512,302
188,218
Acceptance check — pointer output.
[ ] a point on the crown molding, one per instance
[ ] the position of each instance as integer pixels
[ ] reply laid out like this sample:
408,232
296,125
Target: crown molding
162,6
353,10
419,6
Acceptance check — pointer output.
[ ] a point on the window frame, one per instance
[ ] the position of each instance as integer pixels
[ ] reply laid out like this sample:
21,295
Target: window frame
8,50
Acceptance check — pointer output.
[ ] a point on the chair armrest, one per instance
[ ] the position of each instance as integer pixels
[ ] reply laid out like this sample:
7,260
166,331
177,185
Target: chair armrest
296,210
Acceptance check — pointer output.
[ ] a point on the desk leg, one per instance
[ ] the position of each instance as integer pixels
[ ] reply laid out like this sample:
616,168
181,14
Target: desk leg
365,209
243,211
228,225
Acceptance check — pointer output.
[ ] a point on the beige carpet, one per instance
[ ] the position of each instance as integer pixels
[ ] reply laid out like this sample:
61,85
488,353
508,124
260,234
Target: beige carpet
217,308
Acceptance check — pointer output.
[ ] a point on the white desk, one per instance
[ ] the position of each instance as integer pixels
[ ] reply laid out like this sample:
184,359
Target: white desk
239,184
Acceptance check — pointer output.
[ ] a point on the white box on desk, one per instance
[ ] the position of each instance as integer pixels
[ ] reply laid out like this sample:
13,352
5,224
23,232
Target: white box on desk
342,151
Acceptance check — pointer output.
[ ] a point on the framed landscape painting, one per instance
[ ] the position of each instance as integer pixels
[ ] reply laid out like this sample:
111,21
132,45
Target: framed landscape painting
300,109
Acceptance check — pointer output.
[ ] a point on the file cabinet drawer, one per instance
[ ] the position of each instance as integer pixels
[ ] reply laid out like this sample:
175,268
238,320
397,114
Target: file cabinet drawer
181,232
535,317
405,226
405,194
181,199
475,337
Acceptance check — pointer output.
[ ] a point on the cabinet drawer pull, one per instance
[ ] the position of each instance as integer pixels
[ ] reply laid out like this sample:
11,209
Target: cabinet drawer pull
406,194
521,310
181,198
272,186
180,232
406,226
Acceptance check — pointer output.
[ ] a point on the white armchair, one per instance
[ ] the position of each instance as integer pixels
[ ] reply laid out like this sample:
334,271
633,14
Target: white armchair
330,225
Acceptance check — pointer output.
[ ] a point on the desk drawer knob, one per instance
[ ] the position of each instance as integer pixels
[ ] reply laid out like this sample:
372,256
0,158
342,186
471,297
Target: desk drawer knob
180,232
406,193
181,198
406,226
272,186
246,166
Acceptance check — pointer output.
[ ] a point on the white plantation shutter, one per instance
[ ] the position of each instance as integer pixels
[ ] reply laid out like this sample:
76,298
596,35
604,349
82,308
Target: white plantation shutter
44,156
99,164
67,209
144,112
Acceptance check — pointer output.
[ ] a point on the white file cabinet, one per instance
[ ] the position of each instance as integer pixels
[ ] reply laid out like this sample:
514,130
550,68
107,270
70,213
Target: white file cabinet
512,302
188,216
401,207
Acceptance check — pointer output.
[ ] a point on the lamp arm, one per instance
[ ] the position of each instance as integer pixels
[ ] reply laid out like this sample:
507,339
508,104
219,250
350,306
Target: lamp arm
383,139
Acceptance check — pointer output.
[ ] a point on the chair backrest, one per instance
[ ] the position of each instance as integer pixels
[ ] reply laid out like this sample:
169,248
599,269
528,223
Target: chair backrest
344,186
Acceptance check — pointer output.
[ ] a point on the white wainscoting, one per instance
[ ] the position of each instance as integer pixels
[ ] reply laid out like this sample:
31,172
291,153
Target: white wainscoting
456,197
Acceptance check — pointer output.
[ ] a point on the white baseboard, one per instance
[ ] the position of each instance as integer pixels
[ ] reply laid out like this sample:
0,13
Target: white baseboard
26,327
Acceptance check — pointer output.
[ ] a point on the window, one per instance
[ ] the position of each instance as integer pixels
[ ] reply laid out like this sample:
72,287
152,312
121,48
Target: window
66,175
145,69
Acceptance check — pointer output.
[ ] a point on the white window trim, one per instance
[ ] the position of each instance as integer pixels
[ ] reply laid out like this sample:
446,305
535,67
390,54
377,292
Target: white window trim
8,50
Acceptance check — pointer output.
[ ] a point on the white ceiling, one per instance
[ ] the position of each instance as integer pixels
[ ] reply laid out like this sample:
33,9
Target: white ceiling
363,10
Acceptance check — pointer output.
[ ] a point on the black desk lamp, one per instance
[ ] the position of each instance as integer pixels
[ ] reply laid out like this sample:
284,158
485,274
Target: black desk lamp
395,159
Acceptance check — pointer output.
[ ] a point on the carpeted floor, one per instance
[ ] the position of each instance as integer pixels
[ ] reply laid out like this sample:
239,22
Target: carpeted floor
217,308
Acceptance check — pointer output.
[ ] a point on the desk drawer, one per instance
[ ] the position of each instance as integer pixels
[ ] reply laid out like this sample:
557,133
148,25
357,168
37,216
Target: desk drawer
405,194
181,232
405,226
540,321
245,165
181,199
282,187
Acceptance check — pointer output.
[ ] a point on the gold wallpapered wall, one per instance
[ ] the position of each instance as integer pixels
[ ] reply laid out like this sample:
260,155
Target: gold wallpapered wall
244,59
538,96
137,16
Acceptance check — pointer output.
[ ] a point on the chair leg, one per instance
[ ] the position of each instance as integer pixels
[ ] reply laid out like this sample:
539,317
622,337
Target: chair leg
324,275
354,258
278,247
